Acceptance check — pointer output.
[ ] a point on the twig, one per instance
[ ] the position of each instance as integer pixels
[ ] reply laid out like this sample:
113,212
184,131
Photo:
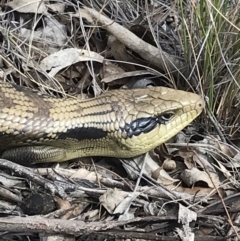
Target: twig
151,54
32,176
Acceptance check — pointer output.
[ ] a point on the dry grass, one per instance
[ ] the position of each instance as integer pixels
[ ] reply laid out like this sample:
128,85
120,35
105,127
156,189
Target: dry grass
185,44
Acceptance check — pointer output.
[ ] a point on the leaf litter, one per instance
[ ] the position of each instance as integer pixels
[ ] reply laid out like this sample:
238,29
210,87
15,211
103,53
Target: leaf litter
184,190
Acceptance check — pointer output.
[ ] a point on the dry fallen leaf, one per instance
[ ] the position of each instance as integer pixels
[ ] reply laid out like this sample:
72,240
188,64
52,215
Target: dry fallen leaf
82,173
110,69
204,161
50,38
185,216
91,216
112,198
28,6
119,52
56,7
134,165
123,207
187,156
65,58
163,177
116,77
190,177
227,149
204,191
62,204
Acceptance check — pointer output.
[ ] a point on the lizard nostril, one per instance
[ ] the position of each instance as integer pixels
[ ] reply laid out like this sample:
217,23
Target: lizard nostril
200,104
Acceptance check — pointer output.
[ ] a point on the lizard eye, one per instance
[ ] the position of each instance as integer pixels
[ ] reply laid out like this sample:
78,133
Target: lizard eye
145,125
165,117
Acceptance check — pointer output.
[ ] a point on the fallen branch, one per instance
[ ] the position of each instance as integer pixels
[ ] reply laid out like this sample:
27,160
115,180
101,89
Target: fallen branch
37,224
151,54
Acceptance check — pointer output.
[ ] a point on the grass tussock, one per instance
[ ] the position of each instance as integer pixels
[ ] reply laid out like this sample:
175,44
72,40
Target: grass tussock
211,42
